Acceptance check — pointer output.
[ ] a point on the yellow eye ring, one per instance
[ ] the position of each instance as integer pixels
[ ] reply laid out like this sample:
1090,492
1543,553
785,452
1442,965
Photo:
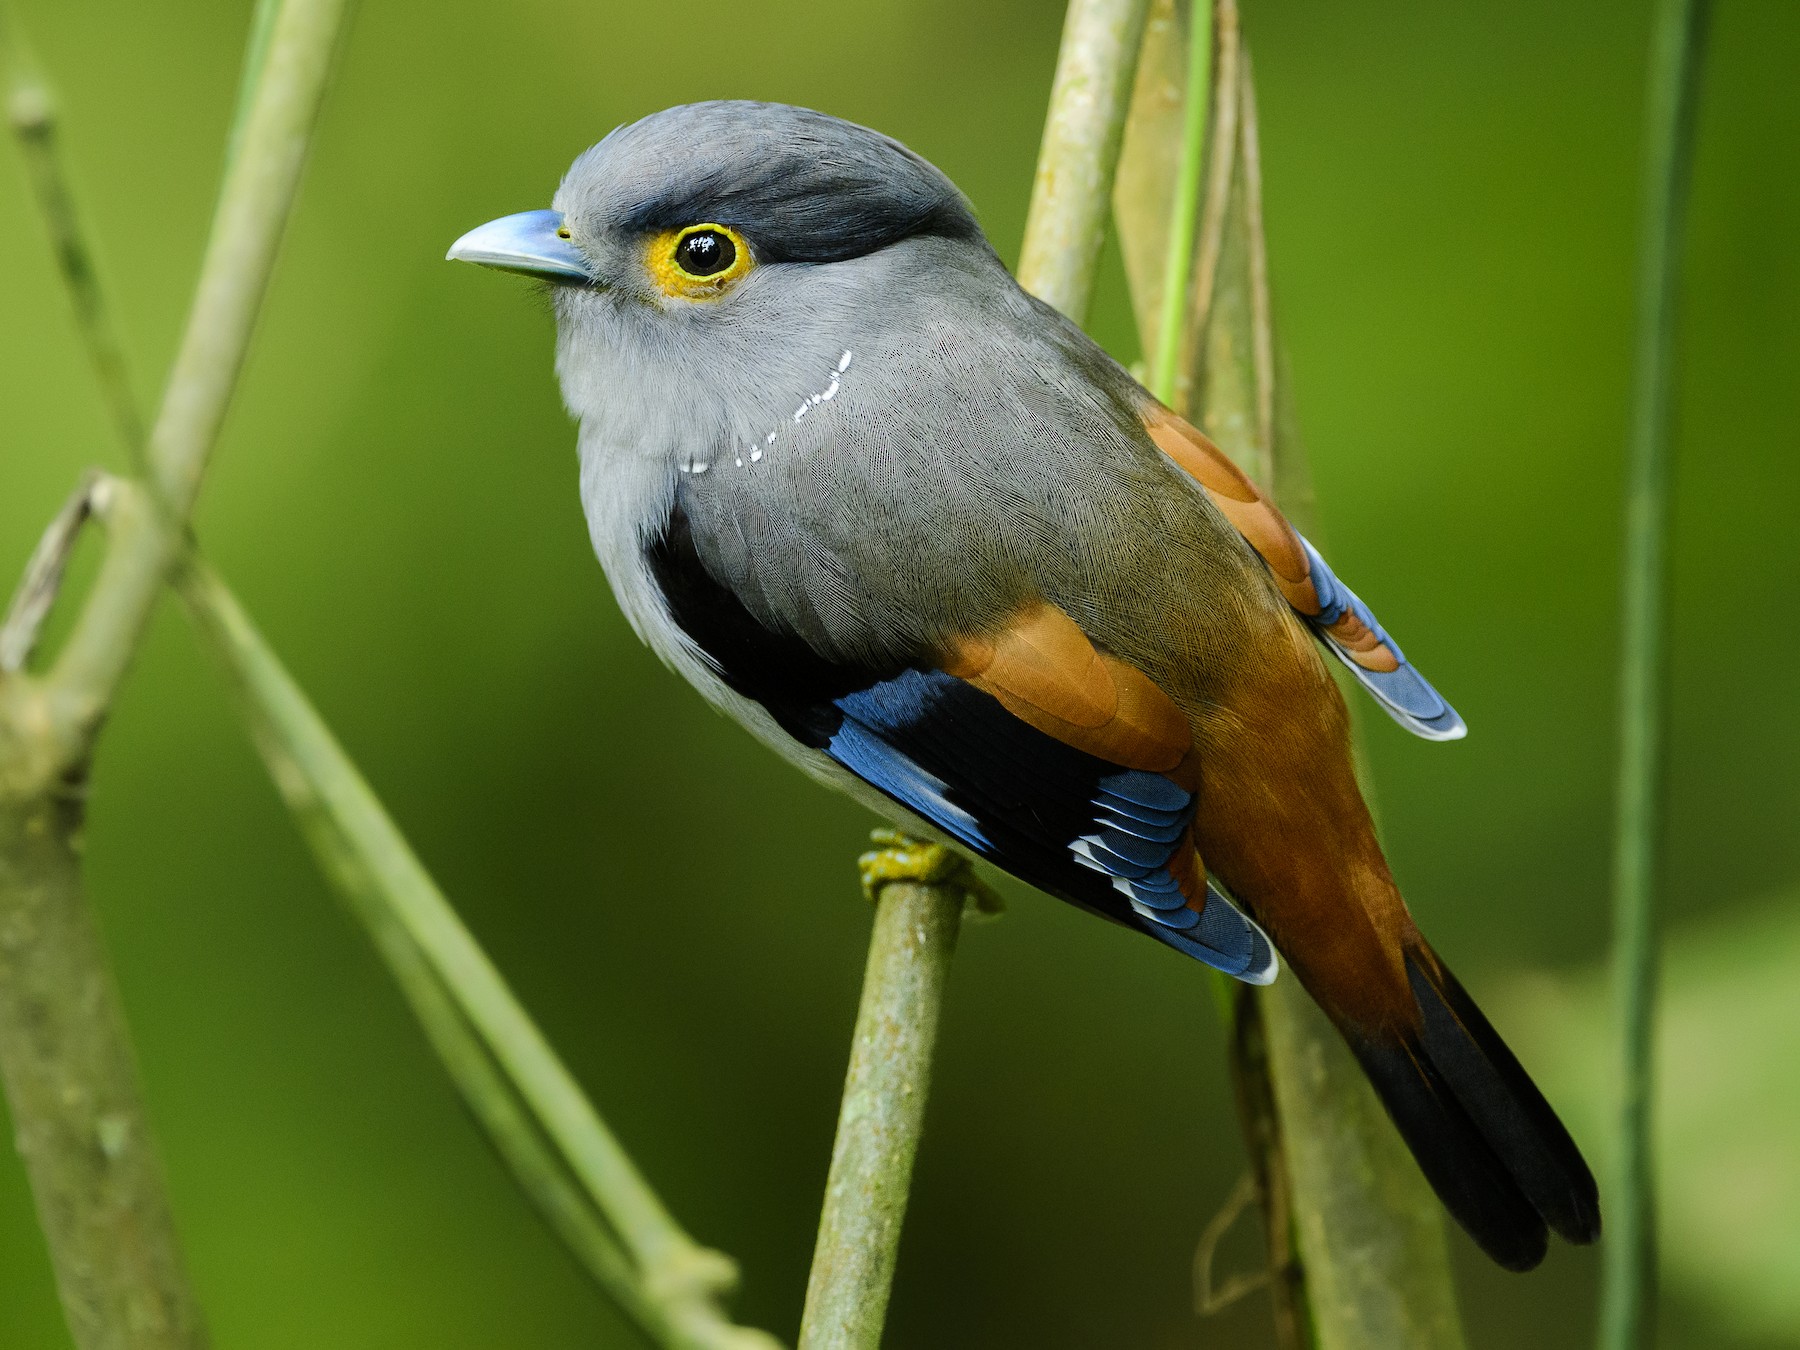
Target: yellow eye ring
697,262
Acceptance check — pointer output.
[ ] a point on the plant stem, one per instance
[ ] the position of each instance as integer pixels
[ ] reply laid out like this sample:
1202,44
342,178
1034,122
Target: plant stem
1184,205
916,923
65,1054
31,113
1629,1273
881,1117
254,205
671,1289
1079,154
564,1156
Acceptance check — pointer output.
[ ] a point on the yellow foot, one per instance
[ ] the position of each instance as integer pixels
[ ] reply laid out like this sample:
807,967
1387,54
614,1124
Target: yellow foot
900,857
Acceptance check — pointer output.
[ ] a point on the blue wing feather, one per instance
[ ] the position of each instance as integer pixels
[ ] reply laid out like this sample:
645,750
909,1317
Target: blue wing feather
1404,693
1046,812
1079,827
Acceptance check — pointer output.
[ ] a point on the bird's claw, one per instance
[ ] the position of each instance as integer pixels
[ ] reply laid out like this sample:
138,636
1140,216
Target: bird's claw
900,857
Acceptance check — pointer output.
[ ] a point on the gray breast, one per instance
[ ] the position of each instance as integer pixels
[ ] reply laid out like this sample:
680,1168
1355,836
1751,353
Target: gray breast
921,450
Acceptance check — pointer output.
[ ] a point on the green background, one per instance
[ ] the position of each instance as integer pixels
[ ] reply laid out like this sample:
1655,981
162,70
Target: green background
1451,202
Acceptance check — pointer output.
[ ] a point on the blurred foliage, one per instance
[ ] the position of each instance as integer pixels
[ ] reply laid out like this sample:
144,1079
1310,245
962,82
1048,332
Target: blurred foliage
1451,196
1727,1104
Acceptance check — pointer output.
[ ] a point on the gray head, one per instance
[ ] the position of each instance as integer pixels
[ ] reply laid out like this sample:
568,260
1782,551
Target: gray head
684,205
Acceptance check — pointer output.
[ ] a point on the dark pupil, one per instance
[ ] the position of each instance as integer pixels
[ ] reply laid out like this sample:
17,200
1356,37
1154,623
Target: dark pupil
705,252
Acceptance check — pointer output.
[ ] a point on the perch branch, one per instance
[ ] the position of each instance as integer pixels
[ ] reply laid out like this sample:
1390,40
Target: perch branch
882,1113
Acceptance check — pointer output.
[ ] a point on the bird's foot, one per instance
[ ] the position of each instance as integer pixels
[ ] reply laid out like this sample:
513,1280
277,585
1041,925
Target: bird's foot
900,857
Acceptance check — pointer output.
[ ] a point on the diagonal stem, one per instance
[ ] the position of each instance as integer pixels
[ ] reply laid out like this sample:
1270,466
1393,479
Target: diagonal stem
254,204
1628,1286
65,1052
559,1151
31,114
562,1154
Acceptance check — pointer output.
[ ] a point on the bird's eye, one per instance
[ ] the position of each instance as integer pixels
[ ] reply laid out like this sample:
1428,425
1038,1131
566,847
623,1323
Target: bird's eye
705,252
697,262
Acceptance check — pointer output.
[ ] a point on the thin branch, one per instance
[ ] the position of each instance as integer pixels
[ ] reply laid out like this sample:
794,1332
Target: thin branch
563,1154
1183,206
1629,1273
882,1115
1260,1120
1212,1299
42,580
916,921
254,205
31,114
667,1284
1089,97
65,1053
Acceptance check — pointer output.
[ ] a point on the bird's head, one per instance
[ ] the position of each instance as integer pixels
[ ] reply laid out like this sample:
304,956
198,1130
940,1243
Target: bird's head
688,206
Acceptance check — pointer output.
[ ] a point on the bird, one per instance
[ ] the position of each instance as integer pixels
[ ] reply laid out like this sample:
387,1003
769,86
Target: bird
916,531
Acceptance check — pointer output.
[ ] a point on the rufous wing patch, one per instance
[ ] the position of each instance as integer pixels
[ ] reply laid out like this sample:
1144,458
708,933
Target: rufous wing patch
1044,671
1358,641
1253,515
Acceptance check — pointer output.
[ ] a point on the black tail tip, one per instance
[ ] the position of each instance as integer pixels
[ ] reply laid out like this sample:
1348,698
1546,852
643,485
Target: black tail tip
1484,1136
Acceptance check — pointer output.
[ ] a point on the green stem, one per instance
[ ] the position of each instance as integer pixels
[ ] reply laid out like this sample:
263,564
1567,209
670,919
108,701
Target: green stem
671,1288
1184,210
256,54
65,1052
254,205
508,1073
882,1115
883,1109
31,113
1629,1273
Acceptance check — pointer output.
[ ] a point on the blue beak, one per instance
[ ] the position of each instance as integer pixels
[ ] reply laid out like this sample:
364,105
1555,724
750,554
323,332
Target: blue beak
529,242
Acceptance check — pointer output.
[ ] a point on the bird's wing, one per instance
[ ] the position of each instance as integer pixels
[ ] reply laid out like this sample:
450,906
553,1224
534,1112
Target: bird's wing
1063,766
1331,609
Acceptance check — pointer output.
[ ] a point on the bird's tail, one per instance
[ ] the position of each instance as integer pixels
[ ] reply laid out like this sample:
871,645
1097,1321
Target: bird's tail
1483,1134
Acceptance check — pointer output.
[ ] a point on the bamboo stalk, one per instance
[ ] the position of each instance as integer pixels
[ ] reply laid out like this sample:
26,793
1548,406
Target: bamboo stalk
1079,154
1368,1230
1628,1287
